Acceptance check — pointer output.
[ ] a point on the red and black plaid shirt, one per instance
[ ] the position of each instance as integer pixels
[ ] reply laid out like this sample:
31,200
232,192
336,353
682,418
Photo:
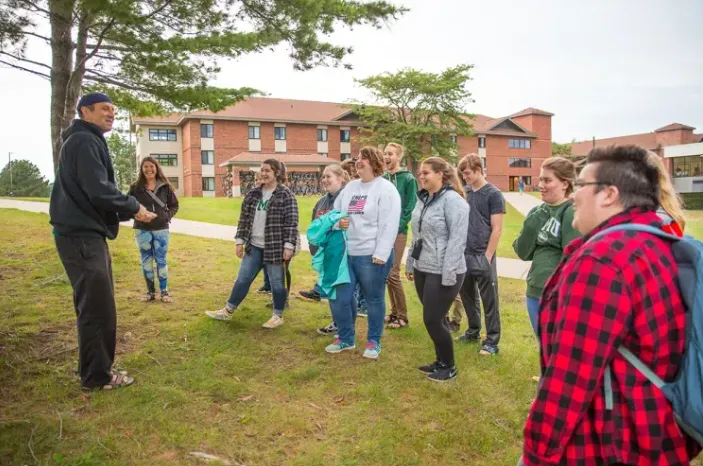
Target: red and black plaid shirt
619,289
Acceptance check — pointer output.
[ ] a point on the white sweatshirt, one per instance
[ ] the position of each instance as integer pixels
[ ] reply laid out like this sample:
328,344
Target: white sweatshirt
374,214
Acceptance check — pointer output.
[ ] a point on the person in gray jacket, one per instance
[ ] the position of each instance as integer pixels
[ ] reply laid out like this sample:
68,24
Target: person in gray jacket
435,263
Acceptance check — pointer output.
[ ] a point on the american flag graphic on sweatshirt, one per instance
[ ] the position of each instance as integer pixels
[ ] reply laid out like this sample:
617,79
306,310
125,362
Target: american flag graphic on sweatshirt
357,204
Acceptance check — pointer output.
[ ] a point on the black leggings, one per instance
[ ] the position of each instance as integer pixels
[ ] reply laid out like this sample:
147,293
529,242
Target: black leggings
436,300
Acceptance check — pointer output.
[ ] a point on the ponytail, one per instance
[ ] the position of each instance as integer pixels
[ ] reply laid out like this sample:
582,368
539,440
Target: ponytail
449,174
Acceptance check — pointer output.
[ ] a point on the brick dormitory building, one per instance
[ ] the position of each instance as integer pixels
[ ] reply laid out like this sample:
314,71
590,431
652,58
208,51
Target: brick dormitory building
216,154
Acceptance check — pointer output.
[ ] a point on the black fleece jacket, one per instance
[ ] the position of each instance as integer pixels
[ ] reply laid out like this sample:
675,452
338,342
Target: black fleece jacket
85,200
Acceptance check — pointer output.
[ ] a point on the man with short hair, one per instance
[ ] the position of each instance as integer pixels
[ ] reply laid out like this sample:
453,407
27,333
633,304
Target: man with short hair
406,184
593,407
487,207
85,209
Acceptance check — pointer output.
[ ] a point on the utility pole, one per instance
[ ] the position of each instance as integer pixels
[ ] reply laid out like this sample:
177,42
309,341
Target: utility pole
9,162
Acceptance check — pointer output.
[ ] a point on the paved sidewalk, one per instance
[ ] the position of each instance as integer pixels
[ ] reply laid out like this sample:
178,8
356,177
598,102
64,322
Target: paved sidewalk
522,202
507,268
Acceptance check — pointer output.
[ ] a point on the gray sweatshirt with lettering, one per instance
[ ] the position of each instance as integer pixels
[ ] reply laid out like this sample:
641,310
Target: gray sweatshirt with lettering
443,235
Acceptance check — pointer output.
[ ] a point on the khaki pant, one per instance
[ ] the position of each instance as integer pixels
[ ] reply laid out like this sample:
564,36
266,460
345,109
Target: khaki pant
457,310
399,308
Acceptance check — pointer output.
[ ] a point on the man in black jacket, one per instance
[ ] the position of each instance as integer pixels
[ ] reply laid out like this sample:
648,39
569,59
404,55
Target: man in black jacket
85,209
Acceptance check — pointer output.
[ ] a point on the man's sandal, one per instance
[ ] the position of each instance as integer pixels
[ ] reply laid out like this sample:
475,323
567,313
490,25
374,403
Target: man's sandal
166,298
399,322
147,298
119,380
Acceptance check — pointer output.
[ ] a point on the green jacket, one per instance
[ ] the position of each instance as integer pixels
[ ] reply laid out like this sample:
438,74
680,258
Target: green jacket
544,235
330,260
406,184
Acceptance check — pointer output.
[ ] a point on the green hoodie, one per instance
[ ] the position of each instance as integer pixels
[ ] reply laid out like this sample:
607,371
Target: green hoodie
406,184
546,232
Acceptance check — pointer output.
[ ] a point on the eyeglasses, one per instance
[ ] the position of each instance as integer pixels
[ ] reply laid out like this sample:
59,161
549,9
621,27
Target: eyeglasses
580,184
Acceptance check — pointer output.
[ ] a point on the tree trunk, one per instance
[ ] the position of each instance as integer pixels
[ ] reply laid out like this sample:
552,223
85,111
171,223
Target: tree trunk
75,82
61,21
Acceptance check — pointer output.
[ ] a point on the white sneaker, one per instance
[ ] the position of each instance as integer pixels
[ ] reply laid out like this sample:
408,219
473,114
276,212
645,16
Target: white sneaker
274,321
220,314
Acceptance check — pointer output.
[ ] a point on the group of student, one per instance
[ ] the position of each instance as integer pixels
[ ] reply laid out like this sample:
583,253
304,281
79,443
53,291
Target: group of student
595,288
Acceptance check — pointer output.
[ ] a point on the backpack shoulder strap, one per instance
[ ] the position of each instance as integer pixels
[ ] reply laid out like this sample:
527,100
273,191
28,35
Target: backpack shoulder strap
156,199
636,227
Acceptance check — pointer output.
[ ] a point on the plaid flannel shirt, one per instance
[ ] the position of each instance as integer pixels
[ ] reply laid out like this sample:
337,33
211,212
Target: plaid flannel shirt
281,222
619,289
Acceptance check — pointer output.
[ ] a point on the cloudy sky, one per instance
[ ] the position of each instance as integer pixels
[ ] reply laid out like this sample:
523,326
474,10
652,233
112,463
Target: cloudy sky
603,67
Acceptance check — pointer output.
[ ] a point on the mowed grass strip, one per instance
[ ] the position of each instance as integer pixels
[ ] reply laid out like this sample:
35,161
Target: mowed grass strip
233,389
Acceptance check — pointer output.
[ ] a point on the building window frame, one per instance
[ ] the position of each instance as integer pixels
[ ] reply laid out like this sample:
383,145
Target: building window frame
482,142
322,135
162,135
519,143
453,138
344,156
520,162
279,133
344,135
207,157
166,160
688,166
254,132
208,181
207,130
323,154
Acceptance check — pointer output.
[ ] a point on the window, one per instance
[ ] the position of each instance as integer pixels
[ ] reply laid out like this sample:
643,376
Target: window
173,181
344,135
207,157
322,135
254,132
345,157
167,160
322,154
482,142
688,166
453,139
162,134
527,180
207,131
208,183
279,134
519,143
520,163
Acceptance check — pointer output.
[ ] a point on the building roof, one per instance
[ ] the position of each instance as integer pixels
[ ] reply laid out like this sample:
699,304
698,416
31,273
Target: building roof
644,140
256,158
674,127
531,111
307,111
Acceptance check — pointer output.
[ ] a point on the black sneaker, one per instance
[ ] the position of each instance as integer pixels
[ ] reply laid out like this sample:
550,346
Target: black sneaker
469,337
311,295
443,374
429,368
330,329
488,350
264,290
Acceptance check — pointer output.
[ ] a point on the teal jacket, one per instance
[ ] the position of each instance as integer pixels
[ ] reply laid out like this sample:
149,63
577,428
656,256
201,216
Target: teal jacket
330,260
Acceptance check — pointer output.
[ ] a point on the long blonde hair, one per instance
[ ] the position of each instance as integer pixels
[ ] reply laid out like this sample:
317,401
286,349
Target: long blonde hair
669,199
449,173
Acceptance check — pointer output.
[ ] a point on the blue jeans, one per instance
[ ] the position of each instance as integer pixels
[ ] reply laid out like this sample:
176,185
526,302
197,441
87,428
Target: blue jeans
153,246
319,291
372,280
533,312
252,263
267,282
359,298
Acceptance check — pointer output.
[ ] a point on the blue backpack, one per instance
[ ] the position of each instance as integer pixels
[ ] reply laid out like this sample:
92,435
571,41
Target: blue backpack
685,392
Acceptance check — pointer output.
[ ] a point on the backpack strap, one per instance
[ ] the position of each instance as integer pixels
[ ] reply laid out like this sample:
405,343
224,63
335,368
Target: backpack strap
156,199
626,353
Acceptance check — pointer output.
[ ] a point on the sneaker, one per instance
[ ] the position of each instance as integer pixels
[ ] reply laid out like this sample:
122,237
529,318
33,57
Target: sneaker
454,326
443,374
488,350
362,312
338,346
274,321
468,337
372,350
264,290
311,295
429,368
330,329
221,314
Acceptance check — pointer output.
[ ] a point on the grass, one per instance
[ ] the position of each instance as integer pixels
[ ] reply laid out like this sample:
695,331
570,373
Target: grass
235,390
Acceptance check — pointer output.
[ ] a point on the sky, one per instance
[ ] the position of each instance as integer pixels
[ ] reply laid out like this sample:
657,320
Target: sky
604,67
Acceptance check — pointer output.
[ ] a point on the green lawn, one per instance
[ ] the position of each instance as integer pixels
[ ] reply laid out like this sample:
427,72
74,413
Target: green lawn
248,395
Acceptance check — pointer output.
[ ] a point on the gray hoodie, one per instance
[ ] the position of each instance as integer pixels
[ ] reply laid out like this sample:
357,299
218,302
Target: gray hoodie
443,234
